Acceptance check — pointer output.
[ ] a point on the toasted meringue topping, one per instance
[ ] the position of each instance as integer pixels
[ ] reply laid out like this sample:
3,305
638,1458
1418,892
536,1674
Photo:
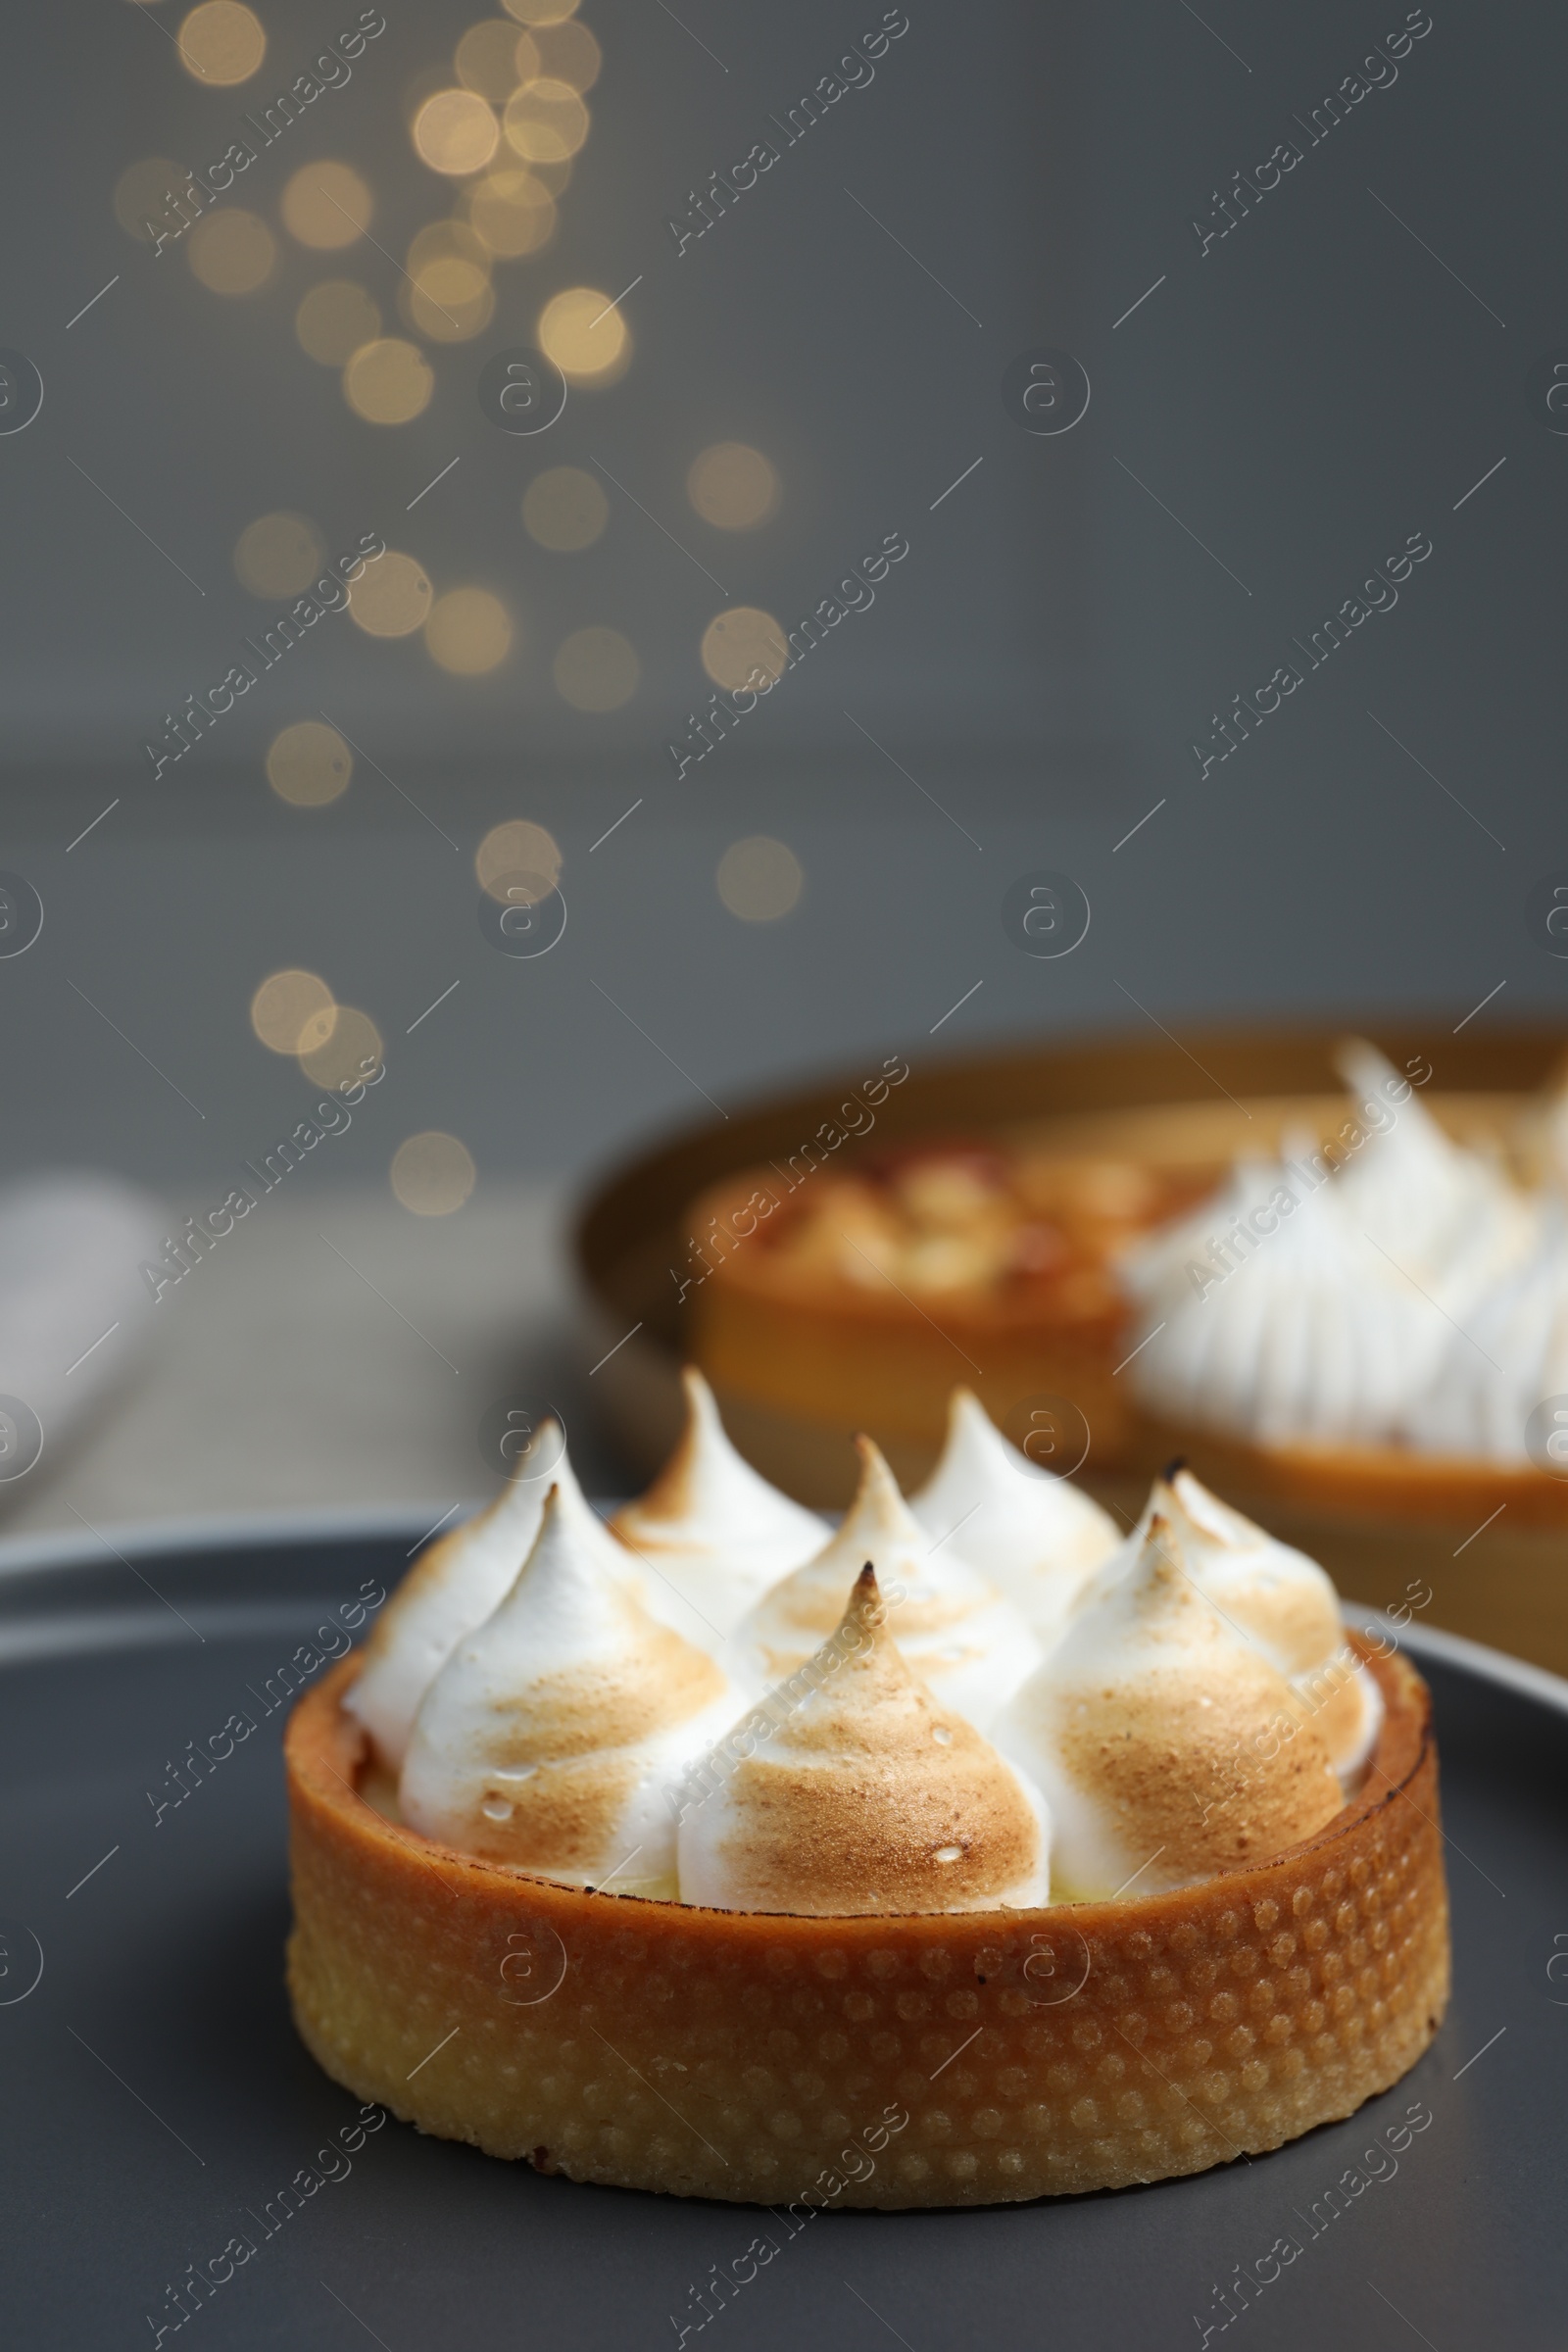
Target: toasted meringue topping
1443,1211
712,1533
1285,1607
551,1737
1037,1537
971,1647
1167,1747
853,1790
1283,1321
1314,1300
458,1580
1510,1356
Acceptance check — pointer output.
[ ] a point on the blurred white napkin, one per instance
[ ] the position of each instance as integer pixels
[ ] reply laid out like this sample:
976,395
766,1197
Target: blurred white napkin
74,1308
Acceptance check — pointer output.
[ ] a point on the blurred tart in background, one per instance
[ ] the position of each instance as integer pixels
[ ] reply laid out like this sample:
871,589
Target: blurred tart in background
856,1298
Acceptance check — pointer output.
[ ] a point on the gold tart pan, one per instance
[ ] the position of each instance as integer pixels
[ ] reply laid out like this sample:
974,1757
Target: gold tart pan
963,2059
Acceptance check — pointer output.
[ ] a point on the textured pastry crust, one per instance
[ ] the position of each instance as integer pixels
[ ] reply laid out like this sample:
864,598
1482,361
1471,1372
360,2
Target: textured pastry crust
764,2059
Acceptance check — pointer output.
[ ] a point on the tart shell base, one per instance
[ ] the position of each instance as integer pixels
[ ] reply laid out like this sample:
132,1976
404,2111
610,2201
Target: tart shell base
962,2059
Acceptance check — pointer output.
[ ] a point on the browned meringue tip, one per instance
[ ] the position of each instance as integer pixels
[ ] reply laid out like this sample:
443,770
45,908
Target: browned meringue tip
865,1605
1173,1470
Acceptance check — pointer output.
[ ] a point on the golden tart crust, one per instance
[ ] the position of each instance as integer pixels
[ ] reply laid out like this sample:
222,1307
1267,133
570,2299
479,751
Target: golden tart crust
735,2055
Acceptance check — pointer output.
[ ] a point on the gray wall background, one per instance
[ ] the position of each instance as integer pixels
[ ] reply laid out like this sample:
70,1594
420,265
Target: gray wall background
1271,421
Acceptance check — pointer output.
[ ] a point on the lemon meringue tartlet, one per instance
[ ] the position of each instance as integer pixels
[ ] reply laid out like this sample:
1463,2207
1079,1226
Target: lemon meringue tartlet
625,1906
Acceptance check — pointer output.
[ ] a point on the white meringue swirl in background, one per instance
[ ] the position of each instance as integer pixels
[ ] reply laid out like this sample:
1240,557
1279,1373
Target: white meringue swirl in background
1332,1311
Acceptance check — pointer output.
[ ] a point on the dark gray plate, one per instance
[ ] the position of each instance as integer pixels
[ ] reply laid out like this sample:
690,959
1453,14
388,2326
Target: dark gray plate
155,2097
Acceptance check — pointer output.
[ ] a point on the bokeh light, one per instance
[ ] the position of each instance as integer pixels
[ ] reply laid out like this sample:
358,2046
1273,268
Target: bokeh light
352,1051
760,879
144,192
517,847
733,486
335,320
545,120
540,11
220,43
293,1012
432,1173
278,554
512,212
596,669
231,251
328,205
743,646
392,597
493,57
308,765
564,509
451,298
388,381
585,337
456,131
568,52
468,631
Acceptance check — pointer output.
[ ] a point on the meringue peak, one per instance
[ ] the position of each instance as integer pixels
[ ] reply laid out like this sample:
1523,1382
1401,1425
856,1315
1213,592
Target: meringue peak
1167,1747
458,1580
954,1629
857,1791
1035,1533
549,1736
714,1531
1284,1605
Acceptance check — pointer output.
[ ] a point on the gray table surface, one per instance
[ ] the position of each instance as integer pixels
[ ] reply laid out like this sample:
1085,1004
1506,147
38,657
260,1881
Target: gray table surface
340,1351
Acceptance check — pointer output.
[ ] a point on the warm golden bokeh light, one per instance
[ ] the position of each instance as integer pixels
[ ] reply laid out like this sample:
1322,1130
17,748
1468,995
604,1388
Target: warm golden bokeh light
144,194
744,647
352,1051
517,848
328,205
733,486
335,320
583,335
432,1174
493,57
388,381
564,509
278,554
308,765
443,241
545,120
456,133
231,251
760,879
468,631
596,669
540,11
450,299
293,1012
392,597
512,212
221,43
568,52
